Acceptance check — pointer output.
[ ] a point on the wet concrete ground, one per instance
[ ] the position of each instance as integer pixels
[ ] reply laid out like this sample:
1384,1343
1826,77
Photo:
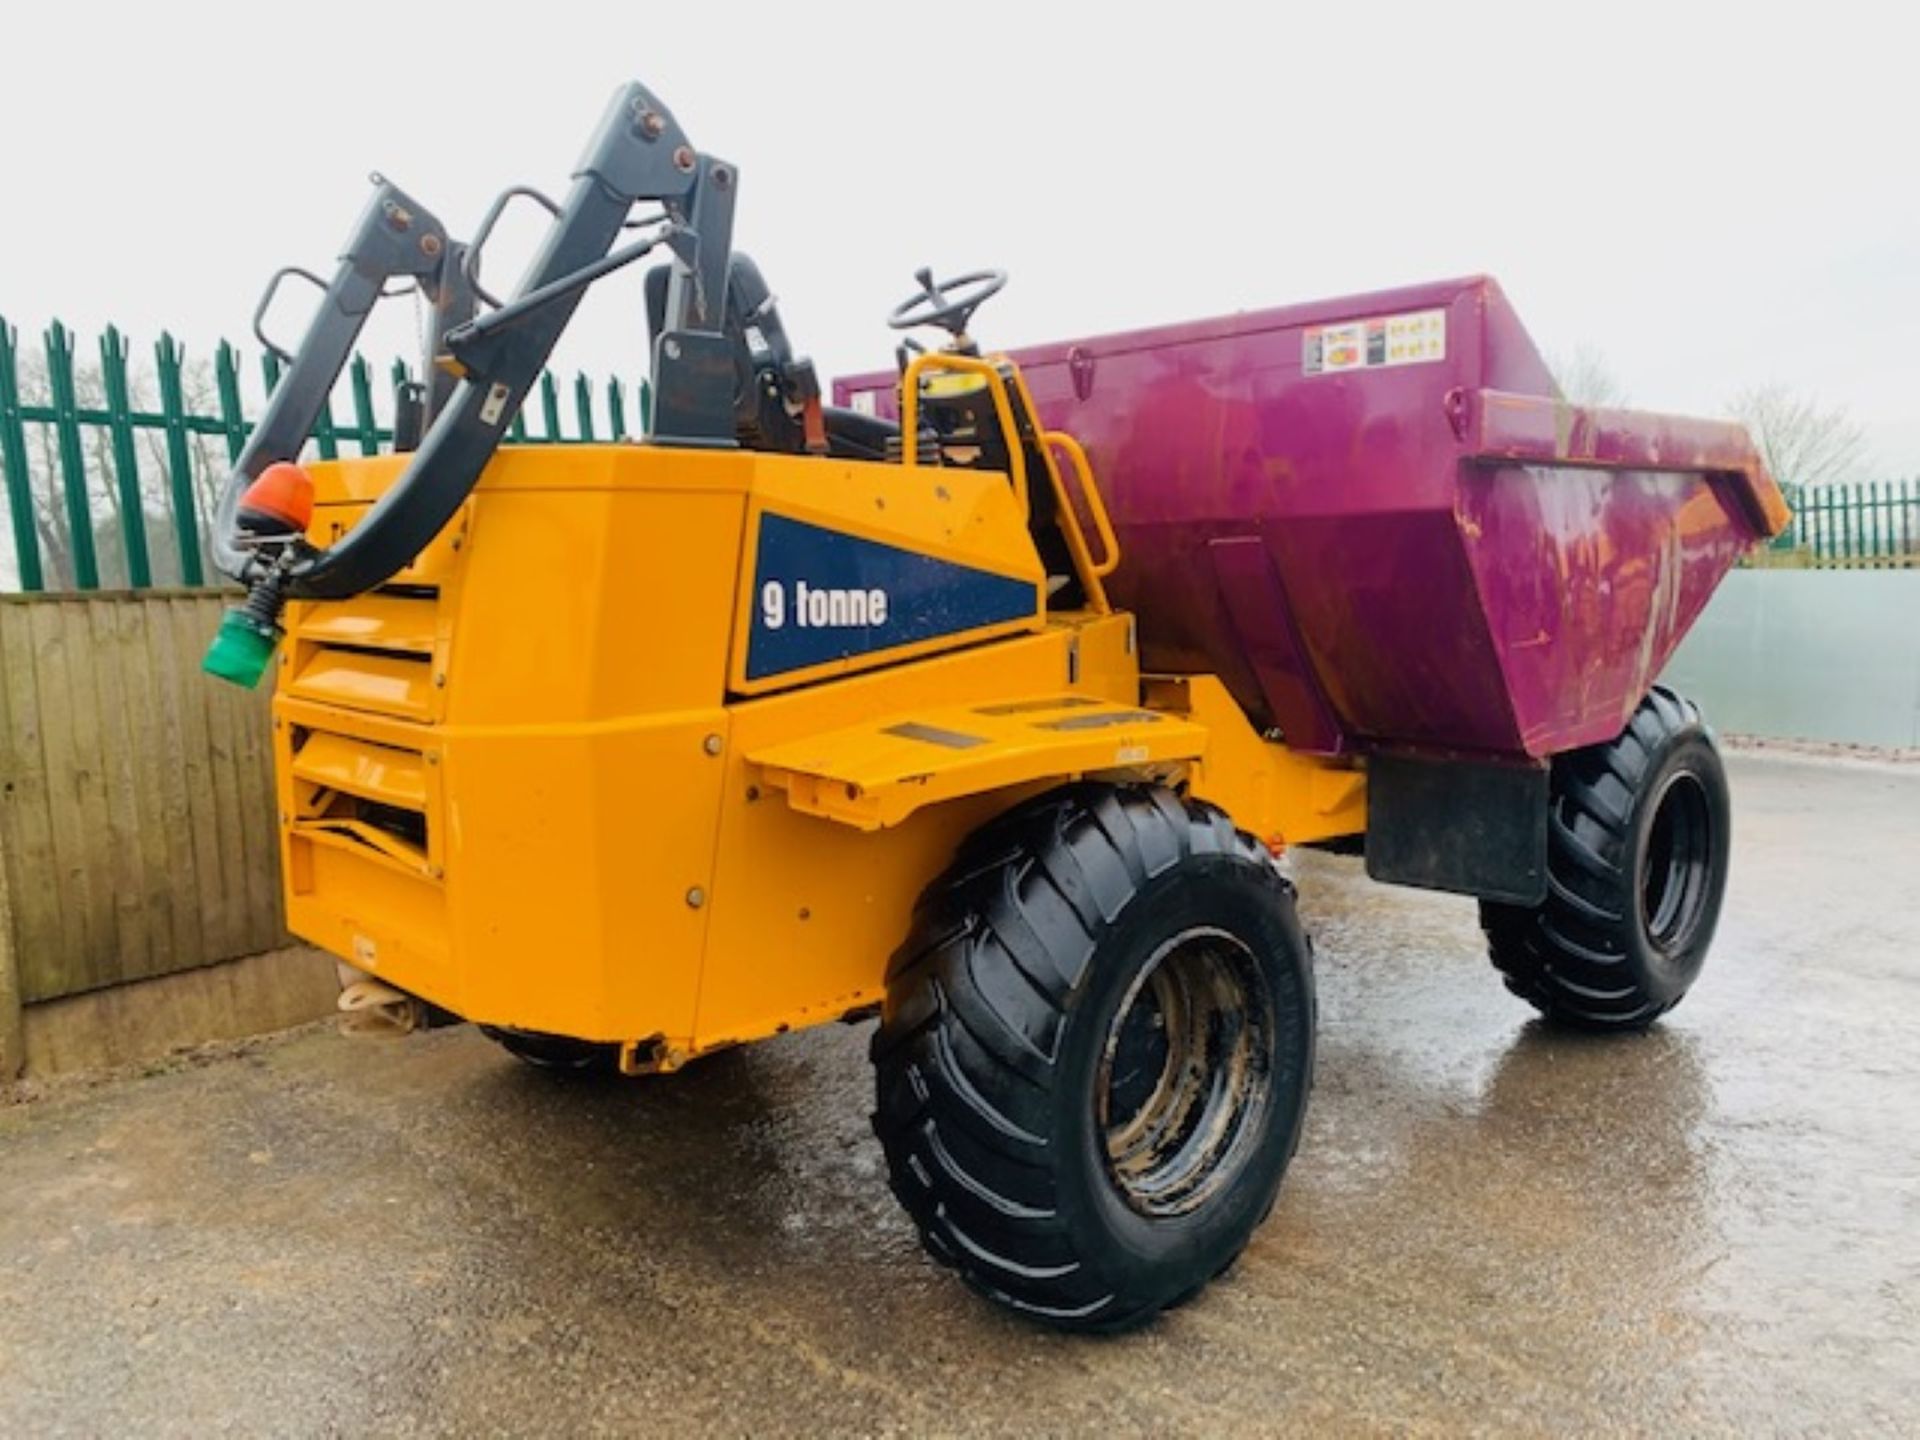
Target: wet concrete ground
1714,1227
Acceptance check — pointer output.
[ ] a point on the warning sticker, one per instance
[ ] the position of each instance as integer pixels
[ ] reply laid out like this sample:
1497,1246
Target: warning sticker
1374,344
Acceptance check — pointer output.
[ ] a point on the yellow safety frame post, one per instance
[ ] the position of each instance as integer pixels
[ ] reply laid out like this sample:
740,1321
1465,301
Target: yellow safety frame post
1090,573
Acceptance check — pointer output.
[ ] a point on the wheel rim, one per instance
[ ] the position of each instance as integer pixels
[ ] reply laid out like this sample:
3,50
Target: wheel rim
1185,1074
1677,869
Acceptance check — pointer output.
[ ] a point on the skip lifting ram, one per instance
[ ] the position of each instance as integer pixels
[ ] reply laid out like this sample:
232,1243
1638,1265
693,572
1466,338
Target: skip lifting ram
984,699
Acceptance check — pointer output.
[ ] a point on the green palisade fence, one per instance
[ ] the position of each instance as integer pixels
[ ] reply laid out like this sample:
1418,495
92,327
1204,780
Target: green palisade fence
1872,524
112,467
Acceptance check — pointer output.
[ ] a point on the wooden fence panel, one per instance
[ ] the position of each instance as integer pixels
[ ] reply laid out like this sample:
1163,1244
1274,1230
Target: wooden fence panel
136,795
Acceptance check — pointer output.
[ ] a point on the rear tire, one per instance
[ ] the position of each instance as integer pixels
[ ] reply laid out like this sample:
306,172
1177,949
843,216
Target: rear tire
1095,1053
1637,855
557,1054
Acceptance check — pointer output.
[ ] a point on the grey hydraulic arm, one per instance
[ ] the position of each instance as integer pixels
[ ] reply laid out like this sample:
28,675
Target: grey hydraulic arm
395,238
638,153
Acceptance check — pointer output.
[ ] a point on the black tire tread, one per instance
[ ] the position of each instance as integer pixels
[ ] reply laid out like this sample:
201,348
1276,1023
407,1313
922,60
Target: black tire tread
1566,957
556,1054
953,1070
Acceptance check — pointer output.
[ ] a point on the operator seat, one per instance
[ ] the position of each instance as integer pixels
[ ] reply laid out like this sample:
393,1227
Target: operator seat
771,385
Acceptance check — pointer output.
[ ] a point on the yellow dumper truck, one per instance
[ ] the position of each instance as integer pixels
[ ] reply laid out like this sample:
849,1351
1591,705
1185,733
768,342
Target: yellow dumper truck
984,699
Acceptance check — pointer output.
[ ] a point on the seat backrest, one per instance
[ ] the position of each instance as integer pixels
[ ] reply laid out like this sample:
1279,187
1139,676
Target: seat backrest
765,369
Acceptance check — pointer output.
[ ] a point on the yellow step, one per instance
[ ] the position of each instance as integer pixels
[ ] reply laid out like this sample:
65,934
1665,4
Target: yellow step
878,773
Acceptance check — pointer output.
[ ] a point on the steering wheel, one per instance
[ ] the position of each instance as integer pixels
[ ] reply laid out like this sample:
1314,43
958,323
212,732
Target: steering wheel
949,304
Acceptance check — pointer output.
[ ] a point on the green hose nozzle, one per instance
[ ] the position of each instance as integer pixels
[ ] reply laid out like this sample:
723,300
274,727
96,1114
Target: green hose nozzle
242,648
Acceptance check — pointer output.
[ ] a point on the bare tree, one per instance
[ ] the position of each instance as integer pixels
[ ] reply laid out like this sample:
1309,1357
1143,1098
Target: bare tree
1802,441
1585,377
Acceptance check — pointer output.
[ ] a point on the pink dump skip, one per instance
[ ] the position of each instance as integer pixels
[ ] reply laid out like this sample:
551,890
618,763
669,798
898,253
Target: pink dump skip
1377,521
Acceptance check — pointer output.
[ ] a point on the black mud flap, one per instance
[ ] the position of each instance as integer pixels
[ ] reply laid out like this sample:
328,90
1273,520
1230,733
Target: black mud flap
1466,826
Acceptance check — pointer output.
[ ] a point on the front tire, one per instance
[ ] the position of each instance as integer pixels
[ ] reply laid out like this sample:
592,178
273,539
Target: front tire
1638,844
1095,1053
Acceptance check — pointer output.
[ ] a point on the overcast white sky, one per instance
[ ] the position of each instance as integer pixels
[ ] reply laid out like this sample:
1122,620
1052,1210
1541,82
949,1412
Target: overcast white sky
1712,196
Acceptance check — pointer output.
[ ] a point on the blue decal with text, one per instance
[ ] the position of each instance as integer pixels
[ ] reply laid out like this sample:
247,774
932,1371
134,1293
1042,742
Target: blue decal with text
821,595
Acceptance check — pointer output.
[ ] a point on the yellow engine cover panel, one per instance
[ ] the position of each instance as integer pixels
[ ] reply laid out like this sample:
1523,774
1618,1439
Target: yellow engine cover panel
514,781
